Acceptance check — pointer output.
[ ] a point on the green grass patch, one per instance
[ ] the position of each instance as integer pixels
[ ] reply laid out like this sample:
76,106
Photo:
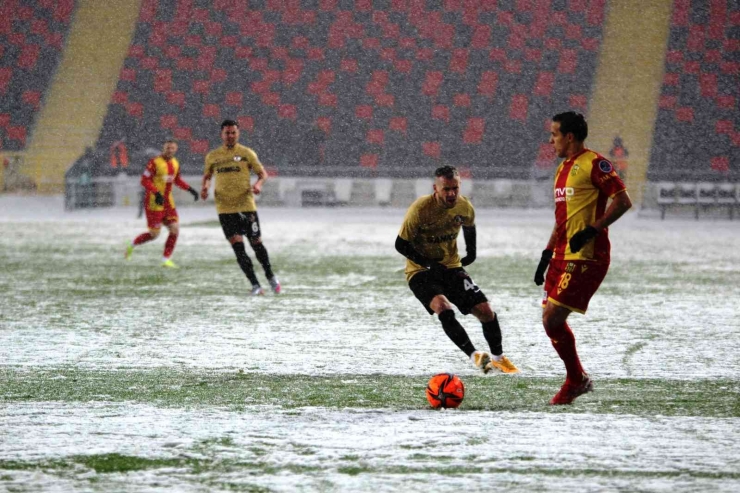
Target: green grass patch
176,388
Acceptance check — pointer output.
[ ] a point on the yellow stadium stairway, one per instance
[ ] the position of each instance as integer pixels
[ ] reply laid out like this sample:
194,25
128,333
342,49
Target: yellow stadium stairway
628,83
77,100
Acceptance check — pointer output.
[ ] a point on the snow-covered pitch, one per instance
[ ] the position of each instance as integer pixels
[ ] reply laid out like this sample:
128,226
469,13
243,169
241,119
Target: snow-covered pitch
125,376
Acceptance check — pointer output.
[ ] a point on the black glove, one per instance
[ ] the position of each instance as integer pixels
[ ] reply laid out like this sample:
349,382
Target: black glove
436,268
193,193
470,245
539,276
580,239
158,198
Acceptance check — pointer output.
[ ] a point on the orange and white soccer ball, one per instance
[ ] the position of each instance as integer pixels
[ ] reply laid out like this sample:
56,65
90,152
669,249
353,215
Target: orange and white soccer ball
445,390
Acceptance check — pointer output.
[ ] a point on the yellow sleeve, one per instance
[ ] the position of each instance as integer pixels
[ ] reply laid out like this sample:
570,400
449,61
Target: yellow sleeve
410,225
254,161
208,169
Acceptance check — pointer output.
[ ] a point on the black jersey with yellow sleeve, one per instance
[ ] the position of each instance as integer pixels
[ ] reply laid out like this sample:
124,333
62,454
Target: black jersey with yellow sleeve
232,169
432,229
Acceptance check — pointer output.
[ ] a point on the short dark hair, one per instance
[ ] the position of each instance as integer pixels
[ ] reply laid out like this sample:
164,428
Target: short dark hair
572,123
448,172
229,123
170,141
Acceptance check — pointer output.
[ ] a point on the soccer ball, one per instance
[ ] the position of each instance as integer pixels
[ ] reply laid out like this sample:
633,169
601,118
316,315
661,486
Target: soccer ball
445,390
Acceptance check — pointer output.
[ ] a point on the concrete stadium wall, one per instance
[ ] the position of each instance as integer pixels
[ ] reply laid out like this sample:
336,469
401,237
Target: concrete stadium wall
124,191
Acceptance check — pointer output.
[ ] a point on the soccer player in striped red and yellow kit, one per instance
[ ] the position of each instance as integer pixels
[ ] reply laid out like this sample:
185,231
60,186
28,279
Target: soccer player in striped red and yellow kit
577,256
160,174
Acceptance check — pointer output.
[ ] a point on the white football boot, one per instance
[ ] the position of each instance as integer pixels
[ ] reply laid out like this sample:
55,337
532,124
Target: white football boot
275,284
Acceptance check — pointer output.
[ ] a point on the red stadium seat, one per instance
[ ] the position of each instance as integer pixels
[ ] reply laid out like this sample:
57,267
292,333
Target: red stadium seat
234,98
369,161
288,111
32,98
246,123
399,124
488,83
441,112
473,133
168,121
432,83
364,112
199,146
375,136
28,57
432,149
519,107
212,111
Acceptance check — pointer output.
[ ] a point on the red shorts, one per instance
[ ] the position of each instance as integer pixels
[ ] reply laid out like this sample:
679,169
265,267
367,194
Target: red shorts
155,219
572,283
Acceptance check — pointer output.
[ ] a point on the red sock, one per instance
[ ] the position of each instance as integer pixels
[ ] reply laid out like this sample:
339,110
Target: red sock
169,245
564,342
143,238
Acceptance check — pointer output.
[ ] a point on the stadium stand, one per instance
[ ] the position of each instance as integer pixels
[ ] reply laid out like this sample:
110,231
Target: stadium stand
697,133
347,88
32,34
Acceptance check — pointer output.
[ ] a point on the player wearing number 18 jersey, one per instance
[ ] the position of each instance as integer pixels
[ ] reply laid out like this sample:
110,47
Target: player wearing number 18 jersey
577,255
434,269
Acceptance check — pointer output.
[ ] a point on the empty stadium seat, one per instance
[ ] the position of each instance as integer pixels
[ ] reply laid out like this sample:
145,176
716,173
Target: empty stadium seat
698,113
385,84
31,40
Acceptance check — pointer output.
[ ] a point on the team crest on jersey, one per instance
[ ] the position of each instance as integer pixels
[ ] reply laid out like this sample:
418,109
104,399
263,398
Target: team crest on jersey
605,166
237,158
574,170
458,219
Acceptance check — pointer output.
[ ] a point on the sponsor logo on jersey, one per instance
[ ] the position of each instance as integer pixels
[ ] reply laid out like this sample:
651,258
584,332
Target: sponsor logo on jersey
441,238
228,169
605,166
563,194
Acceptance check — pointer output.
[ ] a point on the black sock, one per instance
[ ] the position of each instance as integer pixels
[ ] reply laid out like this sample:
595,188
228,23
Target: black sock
492,333
261,253
455,331
244,262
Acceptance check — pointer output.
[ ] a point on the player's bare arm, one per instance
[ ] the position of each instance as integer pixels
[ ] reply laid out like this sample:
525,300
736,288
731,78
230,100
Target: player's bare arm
619,204
204,188
257,187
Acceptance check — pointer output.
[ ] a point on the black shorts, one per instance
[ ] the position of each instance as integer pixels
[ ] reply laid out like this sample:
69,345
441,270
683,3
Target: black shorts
241,223
455,284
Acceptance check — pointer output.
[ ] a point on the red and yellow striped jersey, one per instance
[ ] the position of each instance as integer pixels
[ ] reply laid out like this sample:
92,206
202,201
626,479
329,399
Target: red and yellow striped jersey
159,176
583,184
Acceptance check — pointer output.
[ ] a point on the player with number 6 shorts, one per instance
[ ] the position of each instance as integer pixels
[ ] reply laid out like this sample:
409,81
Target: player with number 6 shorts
436,274
232,165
